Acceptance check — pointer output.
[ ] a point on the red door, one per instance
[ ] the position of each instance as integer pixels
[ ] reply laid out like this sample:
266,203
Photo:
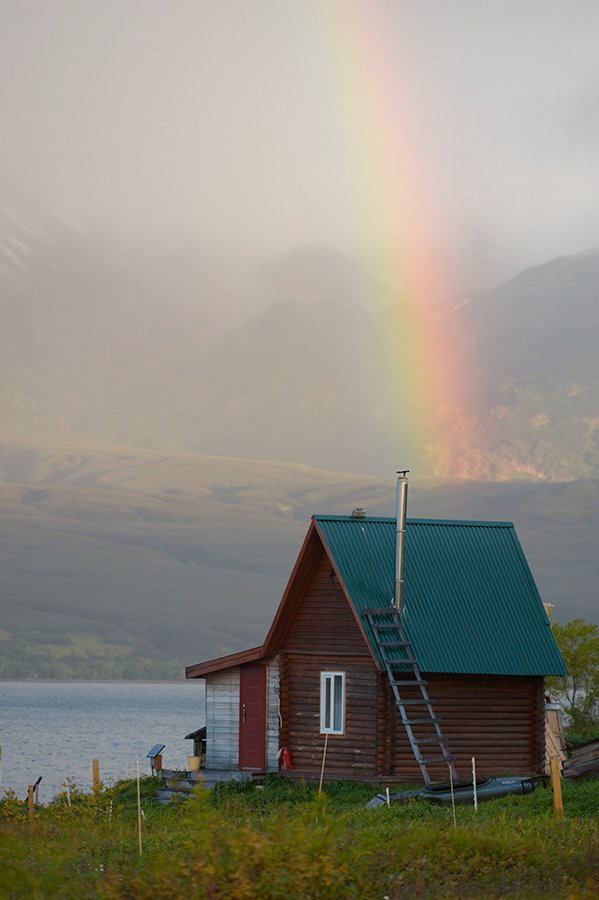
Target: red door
252,718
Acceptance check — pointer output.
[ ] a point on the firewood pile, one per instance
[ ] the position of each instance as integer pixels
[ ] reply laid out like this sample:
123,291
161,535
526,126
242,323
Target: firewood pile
583,761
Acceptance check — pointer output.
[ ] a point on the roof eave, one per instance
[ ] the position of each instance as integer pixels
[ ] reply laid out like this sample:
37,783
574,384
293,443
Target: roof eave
219,663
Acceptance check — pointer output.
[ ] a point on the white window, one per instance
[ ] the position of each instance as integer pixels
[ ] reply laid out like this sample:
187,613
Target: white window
332,702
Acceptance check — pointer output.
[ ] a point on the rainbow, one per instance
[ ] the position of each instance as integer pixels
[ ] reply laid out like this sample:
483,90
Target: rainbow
397,197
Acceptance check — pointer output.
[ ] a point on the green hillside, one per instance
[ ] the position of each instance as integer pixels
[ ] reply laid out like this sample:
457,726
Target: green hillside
125,563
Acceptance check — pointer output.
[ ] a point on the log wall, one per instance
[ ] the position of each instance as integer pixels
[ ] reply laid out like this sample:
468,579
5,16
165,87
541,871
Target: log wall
497,719
324,622
324,636
351,755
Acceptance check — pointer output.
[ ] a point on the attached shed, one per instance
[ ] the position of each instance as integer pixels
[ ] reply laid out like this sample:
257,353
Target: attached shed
473,620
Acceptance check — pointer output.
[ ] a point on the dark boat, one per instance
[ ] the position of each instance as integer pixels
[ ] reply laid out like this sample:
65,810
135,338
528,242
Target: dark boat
486,789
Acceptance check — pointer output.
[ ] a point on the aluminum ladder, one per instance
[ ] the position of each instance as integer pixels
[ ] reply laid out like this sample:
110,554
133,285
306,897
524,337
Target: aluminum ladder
425,729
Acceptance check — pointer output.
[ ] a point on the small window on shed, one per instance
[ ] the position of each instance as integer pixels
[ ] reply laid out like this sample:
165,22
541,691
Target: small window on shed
332,702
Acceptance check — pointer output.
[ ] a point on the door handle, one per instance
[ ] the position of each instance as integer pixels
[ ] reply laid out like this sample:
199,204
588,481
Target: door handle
243,713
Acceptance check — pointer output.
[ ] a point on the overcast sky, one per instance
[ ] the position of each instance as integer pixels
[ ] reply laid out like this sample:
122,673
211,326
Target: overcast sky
277,122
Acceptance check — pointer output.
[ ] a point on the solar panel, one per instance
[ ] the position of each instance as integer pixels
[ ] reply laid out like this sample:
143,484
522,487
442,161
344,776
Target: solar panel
155,751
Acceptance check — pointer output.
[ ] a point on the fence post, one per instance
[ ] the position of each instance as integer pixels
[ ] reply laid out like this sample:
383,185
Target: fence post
96,775
556,787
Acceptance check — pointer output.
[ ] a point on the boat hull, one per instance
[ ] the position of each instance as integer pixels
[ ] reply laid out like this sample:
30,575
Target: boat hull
487,789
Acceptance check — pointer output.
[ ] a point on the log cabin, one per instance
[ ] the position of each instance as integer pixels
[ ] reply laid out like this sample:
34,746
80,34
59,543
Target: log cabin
459,667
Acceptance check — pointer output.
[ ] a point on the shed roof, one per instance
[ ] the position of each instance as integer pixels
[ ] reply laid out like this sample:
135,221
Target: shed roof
471,603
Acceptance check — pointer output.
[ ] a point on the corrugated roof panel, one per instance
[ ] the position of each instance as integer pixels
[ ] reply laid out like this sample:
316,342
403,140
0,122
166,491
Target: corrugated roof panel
471,603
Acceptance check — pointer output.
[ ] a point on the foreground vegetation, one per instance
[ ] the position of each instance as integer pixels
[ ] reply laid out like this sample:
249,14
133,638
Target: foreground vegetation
279,840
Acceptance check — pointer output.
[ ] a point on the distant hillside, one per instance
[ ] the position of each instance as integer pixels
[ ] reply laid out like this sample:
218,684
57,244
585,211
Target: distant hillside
289,360
130,564
533,345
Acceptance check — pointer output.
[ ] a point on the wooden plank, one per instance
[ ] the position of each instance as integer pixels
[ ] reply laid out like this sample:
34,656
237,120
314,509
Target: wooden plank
556,786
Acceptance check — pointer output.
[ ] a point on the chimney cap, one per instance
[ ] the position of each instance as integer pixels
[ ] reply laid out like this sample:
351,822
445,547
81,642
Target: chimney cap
358,513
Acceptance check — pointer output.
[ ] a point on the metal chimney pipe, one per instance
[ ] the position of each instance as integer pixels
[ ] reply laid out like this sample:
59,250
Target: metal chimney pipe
400,536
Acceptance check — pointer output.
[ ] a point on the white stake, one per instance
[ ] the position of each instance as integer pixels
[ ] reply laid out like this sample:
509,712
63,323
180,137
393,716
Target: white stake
388,797
455,821
474,785
139,809
324,759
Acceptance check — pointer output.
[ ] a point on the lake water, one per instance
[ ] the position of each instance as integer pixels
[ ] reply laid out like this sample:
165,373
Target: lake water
55,729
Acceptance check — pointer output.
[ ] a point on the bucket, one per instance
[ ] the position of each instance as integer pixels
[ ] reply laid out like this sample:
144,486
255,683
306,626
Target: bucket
193,763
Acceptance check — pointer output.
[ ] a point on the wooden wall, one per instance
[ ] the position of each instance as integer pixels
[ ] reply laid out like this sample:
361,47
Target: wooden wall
324,622
324,636
497,719
222,719
351,755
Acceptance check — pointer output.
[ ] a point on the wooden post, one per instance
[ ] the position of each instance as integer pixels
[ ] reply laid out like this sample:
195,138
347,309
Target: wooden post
96,775
324,759
30,806
455,821
158,765
139,810
556,787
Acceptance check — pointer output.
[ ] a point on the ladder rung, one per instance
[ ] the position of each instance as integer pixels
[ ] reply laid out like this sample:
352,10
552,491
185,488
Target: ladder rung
380,611
384,625
431,740
422,702
395,663
429,720
394,644
438,759
408,682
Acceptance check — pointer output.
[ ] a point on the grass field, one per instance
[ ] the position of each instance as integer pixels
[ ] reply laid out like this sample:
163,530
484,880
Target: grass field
280,840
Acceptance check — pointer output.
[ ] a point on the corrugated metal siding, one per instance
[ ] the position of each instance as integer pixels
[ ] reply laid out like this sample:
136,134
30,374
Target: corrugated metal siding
471,603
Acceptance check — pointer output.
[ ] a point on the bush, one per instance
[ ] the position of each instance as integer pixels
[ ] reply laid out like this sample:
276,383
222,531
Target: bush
279,840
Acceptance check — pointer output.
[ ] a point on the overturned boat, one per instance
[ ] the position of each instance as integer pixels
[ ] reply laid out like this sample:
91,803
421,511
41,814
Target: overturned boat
463,791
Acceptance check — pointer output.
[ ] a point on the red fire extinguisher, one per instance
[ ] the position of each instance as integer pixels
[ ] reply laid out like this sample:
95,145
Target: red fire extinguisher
285,753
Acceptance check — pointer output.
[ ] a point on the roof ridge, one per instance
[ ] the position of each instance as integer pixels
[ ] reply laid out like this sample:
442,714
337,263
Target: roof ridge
414,521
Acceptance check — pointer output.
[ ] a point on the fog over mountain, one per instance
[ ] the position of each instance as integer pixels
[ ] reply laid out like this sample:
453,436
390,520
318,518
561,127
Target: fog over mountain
109,344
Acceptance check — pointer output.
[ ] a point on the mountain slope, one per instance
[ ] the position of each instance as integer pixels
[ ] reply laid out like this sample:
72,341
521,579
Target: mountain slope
295,360
132,564
533,345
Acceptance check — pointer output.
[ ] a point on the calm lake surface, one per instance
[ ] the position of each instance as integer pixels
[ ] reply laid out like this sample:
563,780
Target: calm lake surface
55,729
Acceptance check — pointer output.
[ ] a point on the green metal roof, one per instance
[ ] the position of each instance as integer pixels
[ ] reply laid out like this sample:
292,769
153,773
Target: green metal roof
471,603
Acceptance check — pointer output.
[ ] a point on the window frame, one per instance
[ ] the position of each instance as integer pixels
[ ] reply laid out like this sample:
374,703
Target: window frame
327,685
